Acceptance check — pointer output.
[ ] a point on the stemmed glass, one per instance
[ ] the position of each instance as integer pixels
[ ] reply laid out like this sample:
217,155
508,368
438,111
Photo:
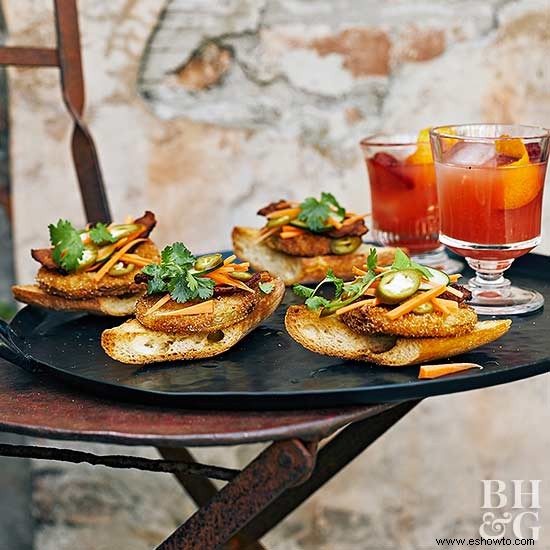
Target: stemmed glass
490,181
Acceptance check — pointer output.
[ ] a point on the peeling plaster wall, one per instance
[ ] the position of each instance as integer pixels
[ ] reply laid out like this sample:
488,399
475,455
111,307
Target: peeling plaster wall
203,110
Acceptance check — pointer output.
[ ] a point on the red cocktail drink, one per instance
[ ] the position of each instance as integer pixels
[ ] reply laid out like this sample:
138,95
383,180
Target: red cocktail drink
404,196
490,180
404,203
491,206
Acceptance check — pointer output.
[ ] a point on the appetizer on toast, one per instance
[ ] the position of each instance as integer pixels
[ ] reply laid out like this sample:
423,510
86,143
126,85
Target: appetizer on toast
300,241
394,315
92,269
194,308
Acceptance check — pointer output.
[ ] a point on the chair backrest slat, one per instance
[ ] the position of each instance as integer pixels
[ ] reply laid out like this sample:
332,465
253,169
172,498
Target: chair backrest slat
67,57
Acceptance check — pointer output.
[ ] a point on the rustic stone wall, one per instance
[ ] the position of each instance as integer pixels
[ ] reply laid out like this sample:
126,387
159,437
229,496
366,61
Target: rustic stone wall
205,109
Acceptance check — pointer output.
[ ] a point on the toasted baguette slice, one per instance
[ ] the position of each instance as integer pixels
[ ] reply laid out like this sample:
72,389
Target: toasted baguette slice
134,344
299,269
116,306
329,336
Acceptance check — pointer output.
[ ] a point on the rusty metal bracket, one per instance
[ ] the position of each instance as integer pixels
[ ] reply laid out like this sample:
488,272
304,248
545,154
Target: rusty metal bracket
119,461
281,465
67,57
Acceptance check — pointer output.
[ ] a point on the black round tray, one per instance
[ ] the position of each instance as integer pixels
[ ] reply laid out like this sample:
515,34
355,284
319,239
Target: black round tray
267,369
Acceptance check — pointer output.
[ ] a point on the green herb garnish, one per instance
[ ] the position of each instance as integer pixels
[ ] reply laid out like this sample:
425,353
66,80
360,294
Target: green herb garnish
315,213
67,245
402,261
315,302
266,288
347,293
100,234
176,275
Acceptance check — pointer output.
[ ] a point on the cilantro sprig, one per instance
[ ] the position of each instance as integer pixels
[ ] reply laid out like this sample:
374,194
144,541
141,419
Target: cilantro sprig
100,234
67,245
347,293
402,261
176,275
343,295
315,213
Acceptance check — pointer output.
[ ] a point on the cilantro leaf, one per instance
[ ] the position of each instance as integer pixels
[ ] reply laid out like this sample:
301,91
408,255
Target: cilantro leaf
67,245
302,291
401,260
316,302
422,268
156,283
329,198
360,284
178,254
266,288
179,289
100,234
315,213
205,288
372,259
176,275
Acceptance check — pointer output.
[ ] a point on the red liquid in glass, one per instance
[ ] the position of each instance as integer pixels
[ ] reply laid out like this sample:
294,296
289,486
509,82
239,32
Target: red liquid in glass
404,203
493,206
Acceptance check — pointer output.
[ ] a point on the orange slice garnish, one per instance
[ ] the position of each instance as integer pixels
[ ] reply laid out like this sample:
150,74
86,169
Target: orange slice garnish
423,153
521,181
520,184
513,148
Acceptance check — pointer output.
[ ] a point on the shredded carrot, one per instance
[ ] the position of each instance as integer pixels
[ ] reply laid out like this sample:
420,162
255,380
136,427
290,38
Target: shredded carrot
434,371
353,219
370,291
379,269
136,260
129,238
158,304
451,305
454,278
115,258
293,228
440,306
266,234
289,234
449,289
334,222
241,267
357,271
355,305
229,259
292,212
224,279
414,302
196,309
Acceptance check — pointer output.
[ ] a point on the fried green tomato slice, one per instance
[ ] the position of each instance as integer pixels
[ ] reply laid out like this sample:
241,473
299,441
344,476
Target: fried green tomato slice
228,310
82,285
374,320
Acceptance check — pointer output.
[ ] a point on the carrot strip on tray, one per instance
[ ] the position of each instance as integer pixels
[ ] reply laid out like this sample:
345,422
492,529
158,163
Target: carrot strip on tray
435,371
